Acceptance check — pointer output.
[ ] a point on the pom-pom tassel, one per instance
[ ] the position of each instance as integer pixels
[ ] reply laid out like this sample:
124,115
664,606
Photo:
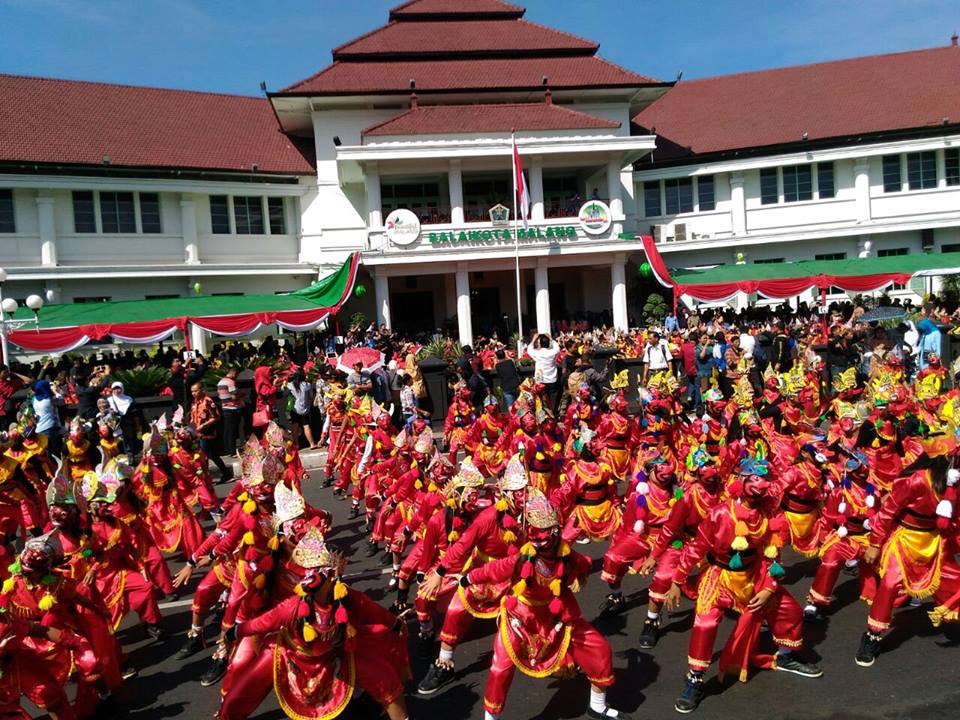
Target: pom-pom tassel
526,571
776,570
770,552
340,616
46,602
250,507
8,586
339,590
564,549
453,536
739,543
735,562
520,588
273,544
309,634
248,538
501,505
556,606
555,587
509,537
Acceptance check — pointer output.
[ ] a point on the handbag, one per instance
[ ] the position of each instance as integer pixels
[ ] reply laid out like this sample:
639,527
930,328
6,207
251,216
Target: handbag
261,417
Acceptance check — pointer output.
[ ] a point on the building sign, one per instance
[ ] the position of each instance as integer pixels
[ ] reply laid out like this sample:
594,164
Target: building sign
595,217
402,227
498,236
499,215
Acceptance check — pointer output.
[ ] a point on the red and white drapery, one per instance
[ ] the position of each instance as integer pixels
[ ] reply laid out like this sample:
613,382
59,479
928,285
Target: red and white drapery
775,288
59,340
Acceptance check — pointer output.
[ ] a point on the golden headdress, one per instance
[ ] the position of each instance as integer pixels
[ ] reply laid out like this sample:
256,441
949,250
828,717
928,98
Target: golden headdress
663,381
288,504
621,380
538,512
515,476
313,552
847,380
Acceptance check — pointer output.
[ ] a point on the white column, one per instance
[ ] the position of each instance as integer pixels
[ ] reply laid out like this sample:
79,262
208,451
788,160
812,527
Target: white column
861,186
618,280
381,288
374,205
542,285
629,199
738,205
48,230
536,190
188,226
464,319
198,338
614,188
455,181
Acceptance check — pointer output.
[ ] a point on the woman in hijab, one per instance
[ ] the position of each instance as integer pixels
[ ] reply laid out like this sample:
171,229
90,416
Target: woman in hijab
266,401
125,408
929,341
45,401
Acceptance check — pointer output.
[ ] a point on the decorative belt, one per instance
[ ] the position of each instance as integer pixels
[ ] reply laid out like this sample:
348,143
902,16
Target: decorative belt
806,506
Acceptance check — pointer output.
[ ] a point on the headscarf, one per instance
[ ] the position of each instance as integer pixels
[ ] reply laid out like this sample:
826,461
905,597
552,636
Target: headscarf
119,403
42,390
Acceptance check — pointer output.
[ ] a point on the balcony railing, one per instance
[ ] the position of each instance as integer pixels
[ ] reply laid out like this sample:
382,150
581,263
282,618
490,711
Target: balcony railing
442,214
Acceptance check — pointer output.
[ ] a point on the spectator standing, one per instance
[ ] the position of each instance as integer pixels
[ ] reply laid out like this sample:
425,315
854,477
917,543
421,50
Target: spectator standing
412,368
409,407
231,405
359,380
125,409
302,392
45,403
506,370
205,417
656,355
544,351
688,351
265,388
929,342
10,382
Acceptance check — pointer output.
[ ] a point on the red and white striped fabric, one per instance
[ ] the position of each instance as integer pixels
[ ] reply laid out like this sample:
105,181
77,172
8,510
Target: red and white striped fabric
520,190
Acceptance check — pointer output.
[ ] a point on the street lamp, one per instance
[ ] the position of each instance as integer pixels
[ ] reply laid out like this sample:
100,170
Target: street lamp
9,307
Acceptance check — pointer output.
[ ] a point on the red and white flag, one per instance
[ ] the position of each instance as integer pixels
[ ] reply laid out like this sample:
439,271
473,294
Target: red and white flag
521,193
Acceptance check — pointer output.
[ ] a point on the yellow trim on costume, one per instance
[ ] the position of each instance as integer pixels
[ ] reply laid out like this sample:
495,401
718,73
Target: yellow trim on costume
350,682
560,657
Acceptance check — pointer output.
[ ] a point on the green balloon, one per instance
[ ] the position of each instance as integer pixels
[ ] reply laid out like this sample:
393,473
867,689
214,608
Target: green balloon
359,291
646,270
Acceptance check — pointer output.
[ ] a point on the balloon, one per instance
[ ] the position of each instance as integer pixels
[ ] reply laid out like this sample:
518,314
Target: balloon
739,257
196,287
646,270
359,291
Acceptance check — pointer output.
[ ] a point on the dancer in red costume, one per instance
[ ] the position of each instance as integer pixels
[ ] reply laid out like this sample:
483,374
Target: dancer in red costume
493,534
588,498
541,631
618,431
740,539
913,544
484,435
460,418
325,642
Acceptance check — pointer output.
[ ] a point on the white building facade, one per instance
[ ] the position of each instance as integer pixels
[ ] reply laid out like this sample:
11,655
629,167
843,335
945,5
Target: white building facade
132,193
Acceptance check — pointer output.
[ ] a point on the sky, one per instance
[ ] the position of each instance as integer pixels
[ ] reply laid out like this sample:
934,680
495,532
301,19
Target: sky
231,45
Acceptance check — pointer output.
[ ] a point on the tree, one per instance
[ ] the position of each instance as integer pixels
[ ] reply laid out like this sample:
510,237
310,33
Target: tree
655,309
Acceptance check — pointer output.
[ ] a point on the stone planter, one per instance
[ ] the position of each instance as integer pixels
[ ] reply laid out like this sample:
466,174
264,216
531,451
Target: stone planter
434,372
634,367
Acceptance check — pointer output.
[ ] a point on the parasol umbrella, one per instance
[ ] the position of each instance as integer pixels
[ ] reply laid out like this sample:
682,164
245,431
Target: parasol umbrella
881,314
371,359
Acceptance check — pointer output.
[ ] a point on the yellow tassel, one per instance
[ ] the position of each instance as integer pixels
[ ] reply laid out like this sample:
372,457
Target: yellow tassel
274,543
260,582
739,543
509,537
418,485
555,587
557,447
339,590
520,588
564,549
196,456
250,507
501,505
8,586
741,528
431,488
309,634
770,552
451,503
528,549
248,538
243,497
299,591
413,464
46,602
541,456
351,631
453,536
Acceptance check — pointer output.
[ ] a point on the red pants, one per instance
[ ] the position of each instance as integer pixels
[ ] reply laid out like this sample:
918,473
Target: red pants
629,551
890,586
331,451
588,649
208,593
831,563
783,614
456,622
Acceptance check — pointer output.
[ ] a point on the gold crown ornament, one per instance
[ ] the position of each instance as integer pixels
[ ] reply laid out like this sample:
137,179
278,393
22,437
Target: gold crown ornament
312,552
847,380
928,387
274,436
288,505
621,380
515,476
538,512
424,443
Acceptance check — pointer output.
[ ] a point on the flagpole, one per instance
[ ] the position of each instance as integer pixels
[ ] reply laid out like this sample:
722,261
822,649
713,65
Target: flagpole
516,247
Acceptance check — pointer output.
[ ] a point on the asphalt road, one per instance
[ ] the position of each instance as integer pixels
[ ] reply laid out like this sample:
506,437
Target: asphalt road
914,679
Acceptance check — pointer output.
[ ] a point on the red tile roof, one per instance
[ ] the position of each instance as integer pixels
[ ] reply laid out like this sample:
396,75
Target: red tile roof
435,119
44,120
471,36
900,91
343,78
455,7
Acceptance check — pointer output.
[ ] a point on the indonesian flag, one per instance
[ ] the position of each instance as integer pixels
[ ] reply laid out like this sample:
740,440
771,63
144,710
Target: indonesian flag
520,191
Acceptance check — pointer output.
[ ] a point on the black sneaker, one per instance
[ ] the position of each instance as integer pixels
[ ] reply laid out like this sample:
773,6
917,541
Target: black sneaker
608,712
612,605
811,613
217,669
126,672
691,696
156,632
791,663
354,512
650,633
437,676
371,550
426,646
869,649
194,644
